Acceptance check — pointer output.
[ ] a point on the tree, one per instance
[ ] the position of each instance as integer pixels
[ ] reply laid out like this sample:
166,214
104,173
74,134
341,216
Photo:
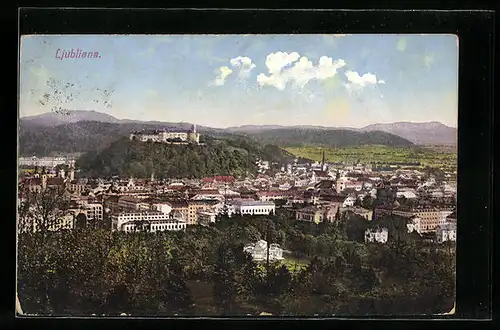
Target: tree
81,221
43,211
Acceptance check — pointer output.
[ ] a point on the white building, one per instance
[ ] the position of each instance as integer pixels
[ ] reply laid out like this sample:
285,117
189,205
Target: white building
252,207
414,225
379,235
204,218
165,208
95,211
349,201
258,251
149,221
446,232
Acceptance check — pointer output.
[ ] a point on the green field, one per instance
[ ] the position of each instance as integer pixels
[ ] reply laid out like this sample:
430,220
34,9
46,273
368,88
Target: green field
382,155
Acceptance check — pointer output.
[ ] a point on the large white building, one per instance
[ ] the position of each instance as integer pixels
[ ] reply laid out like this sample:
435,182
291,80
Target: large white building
251,207
167,136
379,235
148,221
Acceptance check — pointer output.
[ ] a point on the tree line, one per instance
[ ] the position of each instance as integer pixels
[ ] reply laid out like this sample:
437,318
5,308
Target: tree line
204,271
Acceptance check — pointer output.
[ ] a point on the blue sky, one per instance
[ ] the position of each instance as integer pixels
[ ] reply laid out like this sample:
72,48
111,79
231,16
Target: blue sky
231,80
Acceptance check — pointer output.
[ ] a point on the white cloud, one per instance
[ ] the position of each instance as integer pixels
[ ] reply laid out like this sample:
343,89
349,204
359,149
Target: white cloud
367,79
281,71
244,64
221,78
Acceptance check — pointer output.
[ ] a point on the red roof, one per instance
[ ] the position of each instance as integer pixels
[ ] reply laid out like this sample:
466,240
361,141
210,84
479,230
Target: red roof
219,178
321,173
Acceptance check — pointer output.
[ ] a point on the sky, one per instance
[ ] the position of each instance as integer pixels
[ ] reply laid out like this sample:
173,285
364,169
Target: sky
232,80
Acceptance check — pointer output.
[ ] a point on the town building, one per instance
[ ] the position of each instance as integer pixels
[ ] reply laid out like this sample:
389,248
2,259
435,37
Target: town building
205,218
446,232
252,207
430,217
378,235
147,221
196,206
95,211
317,214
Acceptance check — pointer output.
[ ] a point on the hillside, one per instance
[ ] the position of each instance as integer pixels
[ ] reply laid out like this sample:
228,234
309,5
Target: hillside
82,136
219,156
297,137
432,133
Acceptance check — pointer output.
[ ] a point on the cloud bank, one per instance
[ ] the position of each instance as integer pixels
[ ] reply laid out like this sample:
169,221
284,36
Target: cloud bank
291,67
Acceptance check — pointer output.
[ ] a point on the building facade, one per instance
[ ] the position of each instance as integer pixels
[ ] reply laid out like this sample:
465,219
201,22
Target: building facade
167,136
147,221
251,207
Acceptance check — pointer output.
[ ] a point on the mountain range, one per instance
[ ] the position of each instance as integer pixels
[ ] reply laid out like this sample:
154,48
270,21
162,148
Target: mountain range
429,133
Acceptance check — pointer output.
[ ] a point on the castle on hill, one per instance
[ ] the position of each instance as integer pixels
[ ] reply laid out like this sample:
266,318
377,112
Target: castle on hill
167,136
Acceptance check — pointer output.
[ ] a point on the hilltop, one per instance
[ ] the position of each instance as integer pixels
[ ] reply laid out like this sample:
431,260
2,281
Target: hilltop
218,156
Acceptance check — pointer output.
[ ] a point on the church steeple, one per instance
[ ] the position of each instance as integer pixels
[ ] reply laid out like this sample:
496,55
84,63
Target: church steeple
323,161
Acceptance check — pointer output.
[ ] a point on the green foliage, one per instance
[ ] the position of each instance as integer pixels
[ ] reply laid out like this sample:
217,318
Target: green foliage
380,155
292,137
204,271
235,157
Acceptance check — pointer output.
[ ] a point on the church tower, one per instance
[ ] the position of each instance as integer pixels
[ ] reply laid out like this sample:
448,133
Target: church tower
44,179
323,165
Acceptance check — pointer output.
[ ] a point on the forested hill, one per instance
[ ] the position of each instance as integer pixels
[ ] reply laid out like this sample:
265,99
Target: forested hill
296,137
219,156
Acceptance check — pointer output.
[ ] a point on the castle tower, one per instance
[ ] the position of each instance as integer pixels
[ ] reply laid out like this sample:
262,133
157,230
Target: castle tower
62,174
152,176
193,136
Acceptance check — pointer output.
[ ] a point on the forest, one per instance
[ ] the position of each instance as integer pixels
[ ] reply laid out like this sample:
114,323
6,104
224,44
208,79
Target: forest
217,156
203,271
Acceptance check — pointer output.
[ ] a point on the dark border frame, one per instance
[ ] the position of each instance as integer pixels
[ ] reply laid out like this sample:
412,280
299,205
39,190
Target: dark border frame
476,43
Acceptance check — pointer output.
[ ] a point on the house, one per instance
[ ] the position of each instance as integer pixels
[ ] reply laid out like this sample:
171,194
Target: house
195,206
446,232
181,206
378,235
258,251
317,214
204,218
414,224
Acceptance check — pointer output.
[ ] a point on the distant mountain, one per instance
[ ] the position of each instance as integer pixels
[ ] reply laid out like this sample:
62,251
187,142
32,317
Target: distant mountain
431,133
74,116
